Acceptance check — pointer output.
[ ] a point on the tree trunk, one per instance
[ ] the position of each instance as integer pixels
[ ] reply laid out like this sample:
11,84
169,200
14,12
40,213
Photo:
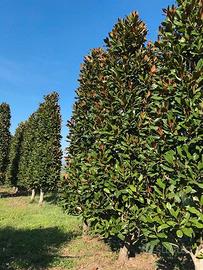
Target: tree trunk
32,196
85,229
197,262
41,198
123,255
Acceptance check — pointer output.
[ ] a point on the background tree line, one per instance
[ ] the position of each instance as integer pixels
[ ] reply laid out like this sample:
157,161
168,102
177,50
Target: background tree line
31,159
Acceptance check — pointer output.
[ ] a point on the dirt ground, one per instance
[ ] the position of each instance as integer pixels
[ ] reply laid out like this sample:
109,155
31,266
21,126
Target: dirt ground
94,254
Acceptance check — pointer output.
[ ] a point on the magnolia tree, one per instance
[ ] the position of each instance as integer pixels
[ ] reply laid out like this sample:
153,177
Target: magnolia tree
5,138
119,190
24,174
134,164
103,172
75,192
47,154
174,216
40,158
15,156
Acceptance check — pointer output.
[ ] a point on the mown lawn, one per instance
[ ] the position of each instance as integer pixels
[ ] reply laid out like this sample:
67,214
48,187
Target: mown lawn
36,238
31,237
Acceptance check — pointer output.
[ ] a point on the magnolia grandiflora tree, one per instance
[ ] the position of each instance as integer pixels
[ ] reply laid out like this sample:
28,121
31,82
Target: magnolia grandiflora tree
45,163
15,156
119,190
5,137
103,175
24,175
40,160
76,189
135,155
175,135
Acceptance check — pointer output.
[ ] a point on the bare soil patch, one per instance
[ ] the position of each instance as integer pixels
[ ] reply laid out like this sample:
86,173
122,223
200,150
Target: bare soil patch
94,254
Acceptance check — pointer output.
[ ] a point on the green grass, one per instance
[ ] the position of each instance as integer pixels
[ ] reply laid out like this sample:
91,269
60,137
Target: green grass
32,237
45,238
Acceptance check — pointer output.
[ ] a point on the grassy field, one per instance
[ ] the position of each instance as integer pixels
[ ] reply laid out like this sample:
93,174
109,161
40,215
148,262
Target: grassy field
33,238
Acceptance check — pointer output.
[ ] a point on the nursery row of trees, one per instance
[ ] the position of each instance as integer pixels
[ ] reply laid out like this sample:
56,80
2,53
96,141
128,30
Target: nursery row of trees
33,157
5,138
134,161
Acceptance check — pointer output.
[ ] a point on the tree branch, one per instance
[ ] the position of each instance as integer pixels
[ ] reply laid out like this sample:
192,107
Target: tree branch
187,251
199,248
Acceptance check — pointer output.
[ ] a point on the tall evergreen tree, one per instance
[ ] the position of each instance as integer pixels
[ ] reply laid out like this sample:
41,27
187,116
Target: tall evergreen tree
119,179
103,161
5,138
87,114
135,156
175,134
40,162
15,156
24,167
47,154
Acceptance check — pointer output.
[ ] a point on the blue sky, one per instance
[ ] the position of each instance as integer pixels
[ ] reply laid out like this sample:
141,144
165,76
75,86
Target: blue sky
43,43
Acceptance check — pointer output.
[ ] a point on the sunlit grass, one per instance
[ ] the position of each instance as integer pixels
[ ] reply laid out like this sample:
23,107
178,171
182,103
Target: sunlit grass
34,237
31,237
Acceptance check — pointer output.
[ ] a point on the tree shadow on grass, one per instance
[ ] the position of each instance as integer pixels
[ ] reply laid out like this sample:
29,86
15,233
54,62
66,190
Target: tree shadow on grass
51,198
8,193
31,249
167,262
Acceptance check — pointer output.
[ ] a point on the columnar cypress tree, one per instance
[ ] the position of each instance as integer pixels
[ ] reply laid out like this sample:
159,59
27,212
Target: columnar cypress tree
175,217
5,138
15,156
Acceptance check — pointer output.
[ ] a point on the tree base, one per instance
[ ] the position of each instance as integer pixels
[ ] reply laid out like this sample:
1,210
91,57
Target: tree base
32,196
85,229
15,190
41,198
198,263
123,255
